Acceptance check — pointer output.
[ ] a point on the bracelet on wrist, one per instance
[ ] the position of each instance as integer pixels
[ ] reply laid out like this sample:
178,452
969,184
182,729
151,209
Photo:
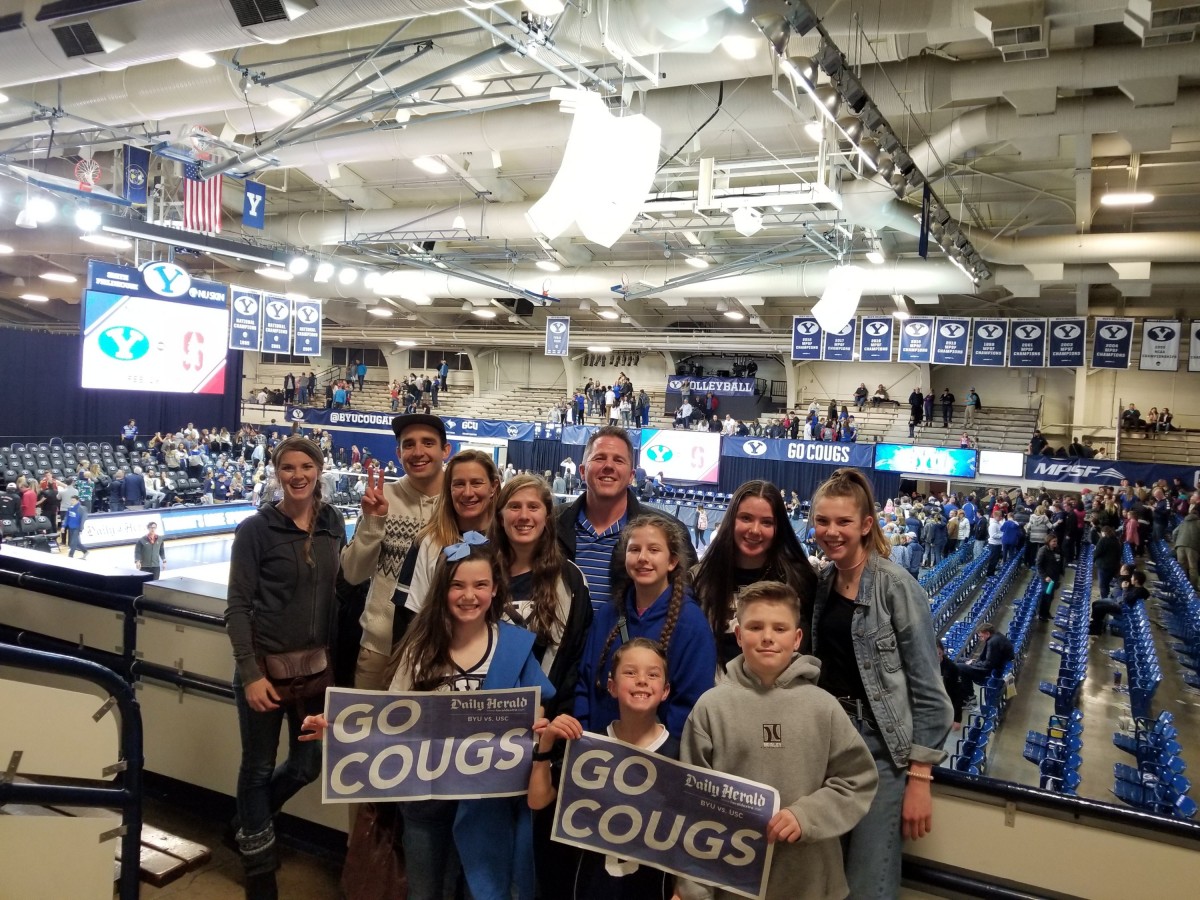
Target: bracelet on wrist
920,776
542,756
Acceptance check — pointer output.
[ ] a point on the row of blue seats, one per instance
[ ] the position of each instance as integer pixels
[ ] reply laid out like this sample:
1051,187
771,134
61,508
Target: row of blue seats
1140,659
1156,783
937,577
964,634
1181,612
945,605
1056,752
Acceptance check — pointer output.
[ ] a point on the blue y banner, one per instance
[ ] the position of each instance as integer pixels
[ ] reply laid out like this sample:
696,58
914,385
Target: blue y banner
861,456
989,342
1112,344
1067,338
806,338
916,341
702,825
277,324
838,346
254,205
1027,346
876,339
137,174
245,318
306,327
558,335
950,341
384,745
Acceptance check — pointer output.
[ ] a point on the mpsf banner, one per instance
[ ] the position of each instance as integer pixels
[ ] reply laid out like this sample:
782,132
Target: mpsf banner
1160,345
876,339
916,341
1067,338
950,341
861,456
1104,471
1112,344
838,346
696,823
989,342
467,745
806,338
1027,347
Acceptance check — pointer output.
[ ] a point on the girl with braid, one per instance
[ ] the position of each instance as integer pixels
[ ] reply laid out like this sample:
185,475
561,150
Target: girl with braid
653,600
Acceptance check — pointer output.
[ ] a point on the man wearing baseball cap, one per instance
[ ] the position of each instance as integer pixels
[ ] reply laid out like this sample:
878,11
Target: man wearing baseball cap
392,514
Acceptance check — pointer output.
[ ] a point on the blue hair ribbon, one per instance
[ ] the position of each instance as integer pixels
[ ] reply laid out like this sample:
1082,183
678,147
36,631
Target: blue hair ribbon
462,549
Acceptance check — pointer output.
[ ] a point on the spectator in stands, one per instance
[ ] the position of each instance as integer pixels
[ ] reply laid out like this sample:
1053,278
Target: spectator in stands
289,387
1133,591
683,415
971,407
965,442
895,697
339,396
1161,514
134,489
995,537
1037,443
360,372
1131,418
46,500
929,407
952,683
916,553
880,396
1106,558
1050,569
1010,536
947,400
1132,532
916,404
1186,544
900,551
590,527
849,432
995,652
129,433
1165,418
1036,531
861,394
1150,427
73,520
963,524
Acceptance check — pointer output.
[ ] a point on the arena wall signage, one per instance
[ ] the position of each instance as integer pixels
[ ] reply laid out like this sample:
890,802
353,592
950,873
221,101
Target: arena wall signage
1027,346
877,338
1112,343
1105,472
721,387
950,337
1067,338
861,456
1160,345
916,340
989,342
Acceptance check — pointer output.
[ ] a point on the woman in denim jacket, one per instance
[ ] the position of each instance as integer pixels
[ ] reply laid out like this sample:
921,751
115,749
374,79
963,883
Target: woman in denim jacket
873,634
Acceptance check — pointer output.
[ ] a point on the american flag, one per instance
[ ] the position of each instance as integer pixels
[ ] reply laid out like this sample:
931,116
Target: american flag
201,201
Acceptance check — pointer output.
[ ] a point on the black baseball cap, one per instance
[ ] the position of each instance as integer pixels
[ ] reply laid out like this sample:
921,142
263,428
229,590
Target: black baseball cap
401,422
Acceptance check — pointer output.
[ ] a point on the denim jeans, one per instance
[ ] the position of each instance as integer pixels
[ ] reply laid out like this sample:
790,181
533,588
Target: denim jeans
874,847
429,851
263,787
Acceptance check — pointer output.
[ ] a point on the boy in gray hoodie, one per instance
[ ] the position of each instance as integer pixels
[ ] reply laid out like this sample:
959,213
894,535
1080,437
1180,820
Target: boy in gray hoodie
771,723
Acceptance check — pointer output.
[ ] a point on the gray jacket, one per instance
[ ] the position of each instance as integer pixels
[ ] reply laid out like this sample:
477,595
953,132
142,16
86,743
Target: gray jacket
896,650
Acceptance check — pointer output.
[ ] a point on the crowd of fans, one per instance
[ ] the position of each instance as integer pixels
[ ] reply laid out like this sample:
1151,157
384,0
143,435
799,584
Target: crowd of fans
1154,424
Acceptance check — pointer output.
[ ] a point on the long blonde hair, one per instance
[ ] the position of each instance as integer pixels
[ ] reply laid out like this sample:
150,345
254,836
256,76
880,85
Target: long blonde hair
442,526
853,484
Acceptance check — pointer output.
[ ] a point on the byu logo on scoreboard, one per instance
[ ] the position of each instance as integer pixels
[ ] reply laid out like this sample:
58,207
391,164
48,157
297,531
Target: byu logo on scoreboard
807,327
754,448
245,304
877,329
123,342
1029,332
659,453
1068,331
166,278
953,330
1161,333
278,310
1113,332
916,329
990,332
306,314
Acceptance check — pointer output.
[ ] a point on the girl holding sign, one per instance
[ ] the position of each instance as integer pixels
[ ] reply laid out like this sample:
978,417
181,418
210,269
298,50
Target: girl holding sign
652,600
638,683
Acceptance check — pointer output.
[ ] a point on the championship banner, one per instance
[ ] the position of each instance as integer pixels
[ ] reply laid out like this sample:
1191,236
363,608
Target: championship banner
1112,344
1106,472
720,387
1067,338
839,346
916,341
137,174
254,205
306,327
806,338
699,824
384,745
1160,345
950,341
860,456
245,318
989,342
876,339
558,335
1194,346
277,324
1027,347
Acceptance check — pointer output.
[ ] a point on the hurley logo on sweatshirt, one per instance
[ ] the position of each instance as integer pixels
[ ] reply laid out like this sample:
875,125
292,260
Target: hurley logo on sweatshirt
772,735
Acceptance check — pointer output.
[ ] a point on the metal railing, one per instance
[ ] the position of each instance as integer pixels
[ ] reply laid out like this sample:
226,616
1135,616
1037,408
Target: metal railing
125,793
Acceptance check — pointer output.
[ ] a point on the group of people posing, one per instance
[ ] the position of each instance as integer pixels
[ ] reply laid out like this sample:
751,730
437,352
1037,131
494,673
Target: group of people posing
464,584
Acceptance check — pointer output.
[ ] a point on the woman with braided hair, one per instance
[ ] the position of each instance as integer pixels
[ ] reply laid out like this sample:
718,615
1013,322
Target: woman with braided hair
653,600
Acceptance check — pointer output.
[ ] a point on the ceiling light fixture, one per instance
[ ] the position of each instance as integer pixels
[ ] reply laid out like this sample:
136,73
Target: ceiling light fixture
543,7
815,129
324,272
876,257
298,265
5,249
483,312
1126,198
401,115
406,343
60,277
35,298
287,106
611,314
900,314
469,87
347,275
548,265
274,273
736,315
104,240
739,47
599,348
696,262
87,219
747,221
198,58
381,312
431,165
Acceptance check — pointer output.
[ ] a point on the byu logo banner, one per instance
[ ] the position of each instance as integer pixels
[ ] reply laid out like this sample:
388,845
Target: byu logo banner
876,339
1066,342
137,173
1112,343
277,324
698,823
558,335
1160,345
245,318
806,338
950,341
839,346
428,745
1194,346
1027,345
916,340
254,206
306,327
989,342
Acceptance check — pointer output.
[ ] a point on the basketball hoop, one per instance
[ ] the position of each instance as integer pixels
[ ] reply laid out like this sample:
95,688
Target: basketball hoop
87,173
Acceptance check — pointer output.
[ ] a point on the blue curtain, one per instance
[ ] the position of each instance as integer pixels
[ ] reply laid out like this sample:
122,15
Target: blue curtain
44,398
539,455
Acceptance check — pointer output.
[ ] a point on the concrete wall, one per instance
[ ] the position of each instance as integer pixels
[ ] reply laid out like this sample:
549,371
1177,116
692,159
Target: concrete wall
825,380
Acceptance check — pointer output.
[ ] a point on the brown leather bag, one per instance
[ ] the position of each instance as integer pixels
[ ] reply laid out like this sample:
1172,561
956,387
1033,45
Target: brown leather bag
299,674
374,868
